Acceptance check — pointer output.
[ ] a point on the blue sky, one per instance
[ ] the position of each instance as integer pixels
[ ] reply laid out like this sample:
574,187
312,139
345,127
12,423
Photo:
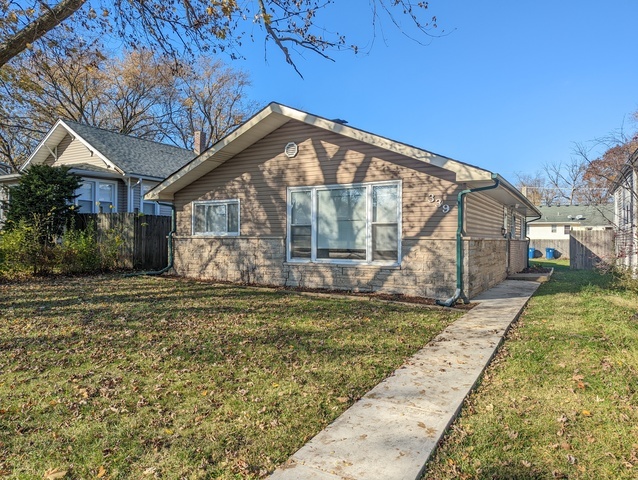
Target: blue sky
511,86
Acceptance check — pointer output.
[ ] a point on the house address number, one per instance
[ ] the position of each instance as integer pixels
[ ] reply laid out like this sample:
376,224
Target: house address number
439,203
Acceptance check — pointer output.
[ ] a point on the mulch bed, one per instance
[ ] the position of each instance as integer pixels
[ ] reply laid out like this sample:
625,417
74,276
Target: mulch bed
536,269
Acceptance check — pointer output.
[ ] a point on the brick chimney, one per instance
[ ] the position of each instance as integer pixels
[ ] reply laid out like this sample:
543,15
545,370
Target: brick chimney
199,143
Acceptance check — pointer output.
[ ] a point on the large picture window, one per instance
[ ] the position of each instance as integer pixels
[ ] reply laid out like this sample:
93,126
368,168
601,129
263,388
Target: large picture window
345,224
216,217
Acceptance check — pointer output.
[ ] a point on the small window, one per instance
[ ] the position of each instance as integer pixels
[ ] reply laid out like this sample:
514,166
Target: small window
553,228
146,207
84,199
105,197
216,217
567,229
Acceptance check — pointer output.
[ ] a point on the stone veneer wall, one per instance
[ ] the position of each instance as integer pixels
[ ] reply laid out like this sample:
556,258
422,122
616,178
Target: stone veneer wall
485,264
428,266
518,255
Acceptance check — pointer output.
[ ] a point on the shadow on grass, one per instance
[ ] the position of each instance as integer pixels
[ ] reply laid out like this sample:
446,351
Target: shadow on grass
513,473
187,321
566,280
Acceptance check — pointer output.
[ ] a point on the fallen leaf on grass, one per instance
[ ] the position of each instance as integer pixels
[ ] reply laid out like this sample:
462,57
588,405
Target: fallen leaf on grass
571,459
101,471
55,473
586,413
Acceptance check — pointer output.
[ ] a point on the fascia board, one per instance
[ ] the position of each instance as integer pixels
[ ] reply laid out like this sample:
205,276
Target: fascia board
53,138
263,123
275,115
464,172
91,148
35,156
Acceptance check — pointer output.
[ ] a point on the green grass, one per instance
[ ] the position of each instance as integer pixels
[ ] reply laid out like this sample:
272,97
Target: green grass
561,398
151,377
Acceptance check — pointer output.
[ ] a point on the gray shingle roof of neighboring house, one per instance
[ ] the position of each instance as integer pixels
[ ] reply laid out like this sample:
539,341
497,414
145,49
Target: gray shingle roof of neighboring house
585,215
135,156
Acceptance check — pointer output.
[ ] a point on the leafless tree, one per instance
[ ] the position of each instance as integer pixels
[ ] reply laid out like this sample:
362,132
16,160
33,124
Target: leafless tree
177,27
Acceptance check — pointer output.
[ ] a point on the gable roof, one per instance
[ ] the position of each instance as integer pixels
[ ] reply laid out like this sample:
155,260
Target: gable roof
585,215
276,115
123,153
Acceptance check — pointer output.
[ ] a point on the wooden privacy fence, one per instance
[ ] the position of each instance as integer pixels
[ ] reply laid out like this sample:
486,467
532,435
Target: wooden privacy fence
144,237
589,248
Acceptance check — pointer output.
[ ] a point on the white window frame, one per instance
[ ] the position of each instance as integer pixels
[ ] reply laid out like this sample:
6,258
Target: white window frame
156,207
232,201
369,207
95,208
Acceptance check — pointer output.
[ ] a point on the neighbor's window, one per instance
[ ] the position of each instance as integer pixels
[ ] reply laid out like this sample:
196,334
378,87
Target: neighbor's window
553,228
148,208
84,199
567,229
216,217
352,224
95,196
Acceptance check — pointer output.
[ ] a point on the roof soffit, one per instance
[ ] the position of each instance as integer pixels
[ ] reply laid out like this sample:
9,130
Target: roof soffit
274,116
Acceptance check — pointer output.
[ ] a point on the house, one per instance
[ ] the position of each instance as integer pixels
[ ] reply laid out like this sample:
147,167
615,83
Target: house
626,214
298,200
116,170
554,227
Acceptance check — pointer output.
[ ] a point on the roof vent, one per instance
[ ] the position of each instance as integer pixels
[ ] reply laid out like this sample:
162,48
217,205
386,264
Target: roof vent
579,217
291,150
570,216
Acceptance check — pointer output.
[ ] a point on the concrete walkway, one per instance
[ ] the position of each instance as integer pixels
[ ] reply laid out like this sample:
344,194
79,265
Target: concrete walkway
391,432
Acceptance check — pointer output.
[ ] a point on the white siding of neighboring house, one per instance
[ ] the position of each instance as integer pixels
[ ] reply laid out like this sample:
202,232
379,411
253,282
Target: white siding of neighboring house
626,218
3,197
544,231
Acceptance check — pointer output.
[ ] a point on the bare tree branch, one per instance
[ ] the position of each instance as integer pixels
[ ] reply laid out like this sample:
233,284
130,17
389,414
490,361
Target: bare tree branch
36,29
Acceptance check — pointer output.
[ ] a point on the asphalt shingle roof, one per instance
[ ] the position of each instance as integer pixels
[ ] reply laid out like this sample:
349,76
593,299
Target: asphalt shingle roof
135,156
592,215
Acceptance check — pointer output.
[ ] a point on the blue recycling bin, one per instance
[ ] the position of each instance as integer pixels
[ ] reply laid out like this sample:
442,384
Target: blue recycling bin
549,253
531,252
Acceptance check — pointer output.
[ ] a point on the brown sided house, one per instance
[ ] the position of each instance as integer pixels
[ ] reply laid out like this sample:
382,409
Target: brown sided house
294,199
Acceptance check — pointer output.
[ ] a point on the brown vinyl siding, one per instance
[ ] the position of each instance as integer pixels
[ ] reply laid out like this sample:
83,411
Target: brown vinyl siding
483,216
260,175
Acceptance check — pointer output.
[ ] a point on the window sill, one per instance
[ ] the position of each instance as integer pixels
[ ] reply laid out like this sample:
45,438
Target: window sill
393,266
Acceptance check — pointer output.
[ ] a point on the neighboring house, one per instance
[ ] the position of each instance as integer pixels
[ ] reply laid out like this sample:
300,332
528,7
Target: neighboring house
626,214
294,199
116,170
553,228
6,181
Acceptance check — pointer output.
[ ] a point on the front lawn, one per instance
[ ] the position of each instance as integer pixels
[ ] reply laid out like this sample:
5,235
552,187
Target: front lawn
152,377
561,398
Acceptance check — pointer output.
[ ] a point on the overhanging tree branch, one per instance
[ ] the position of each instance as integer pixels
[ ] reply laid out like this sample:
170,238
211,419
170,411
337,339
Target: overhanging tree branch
38,28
